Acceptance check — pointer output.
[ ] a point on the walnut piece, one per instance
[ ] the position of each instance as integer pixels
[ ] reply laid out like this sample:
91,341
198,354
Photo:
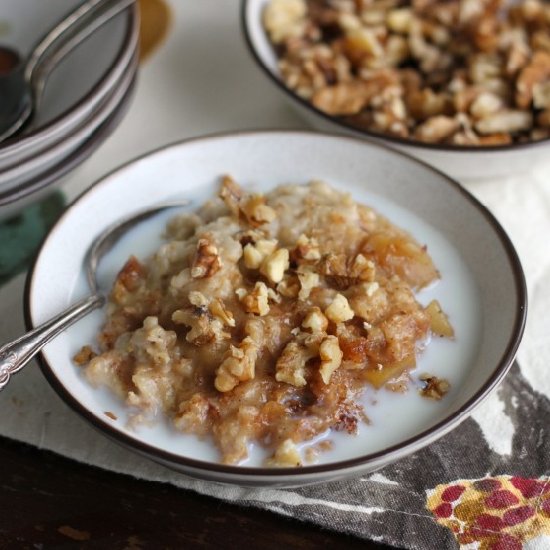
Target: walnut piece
307,248
84,356
231,193
434,387
275,265
341,273
315,320
218,309
256,211
308,281
331,357
255,253
257,300
286,455
207,261
204,326
284,19
237,366
339,310
290,366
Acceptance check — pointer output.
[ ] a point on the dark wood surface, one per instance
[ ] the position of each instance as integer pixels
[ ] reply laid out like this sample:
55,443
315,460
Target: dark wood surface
49,502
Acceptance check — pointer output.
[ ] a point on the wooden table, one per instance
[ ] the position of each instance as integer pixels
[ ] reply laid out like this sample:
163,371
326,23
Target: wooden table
48,501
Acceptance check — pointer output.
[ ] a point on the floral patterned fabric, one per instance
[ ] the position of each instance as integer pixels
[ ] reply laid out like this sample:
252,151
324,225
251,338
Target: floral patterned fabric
499,513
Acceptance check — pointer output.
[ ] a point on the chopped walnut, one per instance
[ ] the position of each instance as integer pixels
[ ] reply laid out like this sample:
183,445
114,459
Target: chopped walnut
275,265
371,288
331,357
204,327
257,300
339,310
434,387
291,364
84,356
408,69
218,309
256,211
307,248
232,194
284,19
252,207
206,261
308,281
255,253
237,366
505,122
541,95
536,72
543,118
315,320
289,287
341,273
486,104
286,455
346,98
362,268
437,128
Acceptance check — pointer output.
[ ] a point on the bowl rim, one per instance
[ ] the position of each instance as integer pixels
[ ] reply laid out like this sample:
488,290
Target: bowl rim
390,453
246,22
77,157
16,175
101,88
19,175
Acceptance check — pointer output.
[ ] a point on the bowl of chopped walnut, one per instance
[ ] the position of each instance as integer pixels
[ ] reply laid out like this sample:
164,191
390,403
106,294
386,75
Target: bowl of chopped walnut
461,84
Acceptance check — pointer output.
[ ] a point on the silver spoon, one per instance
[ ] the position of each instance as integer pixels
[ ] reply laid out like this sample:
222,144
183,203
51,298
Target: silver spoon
16,354
22,83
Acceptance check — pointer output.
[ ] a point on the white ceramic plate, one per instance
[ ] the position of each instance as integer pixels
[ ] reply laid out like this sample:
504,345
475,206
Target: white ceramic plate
482,282
80,84
460,162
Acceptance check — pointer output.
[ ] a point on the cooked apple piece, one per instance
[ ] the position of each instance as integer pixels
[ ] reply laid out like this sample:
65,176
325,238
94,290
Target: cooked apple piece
439,322
378,377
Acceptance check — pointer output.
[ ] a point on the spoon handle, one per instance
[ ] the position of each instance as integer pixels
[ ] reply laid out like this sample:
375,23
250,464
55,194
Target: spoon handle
16,354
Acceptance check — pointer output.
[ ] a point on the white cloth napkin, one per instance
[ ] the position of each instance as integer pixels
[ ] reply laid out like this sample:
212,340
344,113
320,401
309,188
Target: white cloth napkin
202,81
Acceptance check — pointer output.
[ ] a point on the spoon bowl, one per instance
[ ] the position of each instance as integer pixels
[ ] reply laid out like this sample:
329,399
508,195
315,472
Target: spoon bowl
16,354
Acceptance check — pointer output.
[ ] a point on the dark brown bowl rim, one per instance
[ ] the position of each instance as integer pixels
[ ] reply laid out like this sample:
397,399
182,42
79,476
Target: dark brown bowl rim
131,30
363,132
391,453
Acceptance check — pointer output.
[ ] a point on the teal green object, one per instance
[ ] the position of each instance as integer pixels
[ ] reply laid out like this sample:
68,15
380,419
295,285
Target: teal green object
21,235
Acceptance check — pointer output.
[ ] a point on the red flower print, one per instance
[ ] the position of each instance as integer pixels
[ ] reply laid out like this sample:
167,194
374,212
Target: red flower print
501,499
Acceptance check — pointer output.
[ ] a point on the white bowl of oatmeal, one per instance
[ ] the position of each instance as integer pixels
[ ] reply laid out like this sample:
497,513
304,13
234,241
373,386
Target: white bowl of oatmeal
286,332
462,85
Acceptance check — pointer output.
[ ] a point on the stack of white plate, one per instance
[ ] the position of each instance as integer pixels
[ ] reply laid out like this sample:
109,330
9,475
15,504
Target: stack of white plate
85,98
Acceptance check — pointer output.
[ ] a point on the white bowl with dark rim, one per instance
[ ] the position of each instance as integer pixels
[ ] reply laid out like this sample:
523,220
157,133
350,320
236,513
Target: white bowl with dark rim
54,153
461,162
82,82
14,198
482,289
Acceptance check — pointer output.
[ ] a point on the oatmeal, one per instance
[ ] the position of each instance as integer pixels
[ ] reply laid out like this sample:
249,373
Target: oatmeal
263,318
460,72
